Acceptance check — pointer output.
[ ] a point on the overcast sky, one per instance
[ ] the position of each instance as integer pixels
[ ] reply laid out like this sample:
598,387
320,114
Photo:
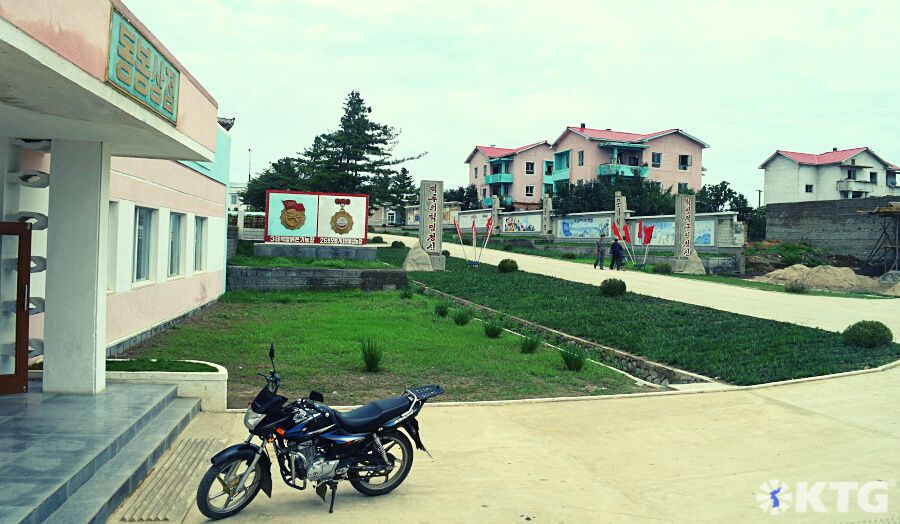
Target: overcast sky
746,77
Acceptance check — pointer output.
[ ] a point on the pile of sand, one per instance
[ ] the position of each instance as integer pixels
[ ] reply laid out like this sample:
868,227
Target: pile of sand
829,278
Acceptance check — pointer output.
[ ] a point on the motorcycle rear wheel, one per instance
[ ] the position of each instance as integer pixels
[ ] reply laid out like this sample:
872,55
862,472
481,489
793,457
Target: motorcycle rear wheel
398,448
221,481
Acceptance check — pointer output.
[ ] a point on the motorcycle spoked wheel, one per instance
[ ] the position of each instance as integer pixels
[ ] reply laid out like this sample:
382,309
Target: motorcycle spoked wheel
218,496
400,453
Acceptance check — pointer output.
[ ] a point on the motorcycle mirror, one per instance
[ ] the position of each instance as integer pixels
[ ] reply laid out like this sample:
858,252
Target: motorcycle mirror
272,355
316,396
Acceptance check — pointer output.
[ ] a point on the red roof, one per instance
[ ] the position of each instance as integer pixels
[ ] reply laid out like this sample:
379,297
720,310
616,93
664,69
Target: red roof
499,152
830,157
622,136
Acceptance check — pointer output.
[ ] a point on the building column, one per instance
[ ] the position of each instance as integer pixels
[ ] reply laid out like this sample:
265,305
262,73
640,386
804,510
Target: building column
75,323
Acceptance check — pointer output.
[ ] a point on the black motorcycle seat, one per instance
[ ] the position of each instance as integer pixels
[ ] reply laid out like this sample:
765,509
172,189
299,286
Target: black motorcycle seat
368,418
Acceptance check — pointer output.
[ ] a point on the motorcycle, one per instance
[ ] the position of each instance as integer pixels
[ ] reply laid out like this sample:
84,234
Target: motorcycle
314,443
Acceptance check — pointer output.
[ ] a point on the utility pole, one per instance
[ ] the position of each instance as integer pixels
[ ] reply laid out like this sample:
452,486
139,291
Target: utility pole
759,198
249,161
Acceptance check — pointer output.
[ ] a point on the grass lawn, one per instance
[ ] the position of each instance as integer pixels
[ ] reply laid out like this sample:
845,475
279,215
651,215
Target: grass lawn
257,261
317,337
149,365
734,348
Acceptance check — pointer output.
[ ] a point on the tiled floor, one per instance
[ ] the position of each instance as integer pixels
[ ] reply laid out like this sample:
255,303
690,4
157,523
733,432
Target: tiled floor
50,444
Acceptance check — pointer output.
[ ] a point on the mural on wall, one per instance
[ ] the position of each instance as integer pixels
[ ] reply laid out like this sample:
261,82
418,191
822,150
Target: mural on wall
664,232
451,213
316,218
530,223
480,217
583,227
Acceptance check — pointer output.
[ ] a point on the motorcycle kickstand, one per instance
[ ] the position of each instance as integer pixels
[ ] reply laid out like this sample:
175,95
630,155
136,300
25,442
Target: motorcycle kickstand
333,493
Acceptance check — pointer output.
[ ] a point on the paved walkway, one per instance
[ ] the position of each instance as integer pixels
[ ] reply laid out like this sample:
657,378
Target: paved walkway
830,313
676,458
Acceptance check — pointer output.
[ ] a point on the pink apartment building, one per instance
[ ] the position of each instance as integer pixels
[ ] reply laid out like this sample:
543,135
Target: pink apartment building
514,175
671,157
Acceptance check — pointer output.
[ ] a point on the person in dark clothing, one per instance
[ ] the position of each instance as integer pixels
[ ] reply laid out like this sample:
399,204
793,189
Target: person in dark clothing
617,253
600,252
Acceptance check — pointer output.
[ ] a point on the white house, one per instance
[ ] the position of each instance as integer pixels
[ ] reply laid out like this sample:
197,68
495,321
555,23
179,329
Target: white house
836,174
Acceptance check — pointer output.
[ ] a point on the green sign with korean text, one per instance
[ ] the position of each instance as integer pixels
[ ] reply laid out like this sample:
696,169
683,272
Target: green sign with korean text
138,68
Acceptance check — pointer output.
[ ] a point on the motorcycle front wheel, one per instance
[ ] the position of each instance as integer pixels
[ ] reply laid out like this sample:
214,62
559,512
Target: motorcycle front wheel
221,493
400,454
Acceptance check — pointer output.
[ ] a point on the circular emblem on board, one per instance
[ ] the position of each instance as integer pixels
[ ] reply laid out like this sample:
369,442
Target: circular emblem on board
293,216
341,222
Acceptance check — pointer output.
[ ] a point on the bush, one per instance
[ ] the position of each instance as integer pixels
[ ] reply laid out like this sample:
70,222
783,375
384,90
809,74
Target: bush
573,357
397,243
612,287
371,355
569,256
446,253
662,269
442,310
406,293
378,239
462,316
507,247
493,328
507,265
795,287
868,334
419,289
530,343
370,229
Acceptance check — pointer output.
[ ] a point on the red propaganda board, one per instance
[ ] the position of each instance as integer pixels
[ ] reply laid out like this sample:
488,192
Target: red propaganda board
298,217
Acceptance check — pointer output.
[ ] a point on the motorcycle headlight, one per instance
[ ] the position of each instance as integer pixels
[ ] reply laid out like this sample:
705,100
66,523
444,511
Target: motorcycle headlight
252,418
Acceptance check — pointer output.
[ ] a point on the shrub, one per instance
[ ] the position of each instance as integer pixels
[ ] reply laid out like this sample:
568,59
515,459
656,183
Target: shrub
446,252
397,243
371,355
493,328
569,256
795,287
612,287
442,310
507,265
507,247
868,334
462,316
530,343
419,289
370,229
662,269
377,239
406,293
573,357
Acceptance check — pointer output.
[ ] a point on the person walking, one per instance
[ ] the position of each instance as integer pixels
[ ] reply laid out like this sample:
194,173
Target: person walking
600,252
616,251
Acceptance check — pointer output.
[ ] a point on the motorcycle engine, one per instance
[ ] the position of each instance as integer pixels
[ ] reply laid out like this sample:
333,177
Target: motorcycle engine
321,469
310,465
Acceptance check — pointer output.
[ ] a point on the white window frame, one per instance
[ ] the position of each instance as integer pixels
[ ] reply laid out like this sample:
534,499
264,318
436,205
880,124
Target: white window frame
199,244
653,163
685,167
529,171
176,245
581,157
529,193
143,245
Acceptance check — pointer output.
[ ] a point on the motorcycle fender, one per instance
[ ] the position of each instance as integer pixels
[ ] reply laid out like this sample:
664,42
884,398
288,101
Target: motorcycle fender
246,450
411,425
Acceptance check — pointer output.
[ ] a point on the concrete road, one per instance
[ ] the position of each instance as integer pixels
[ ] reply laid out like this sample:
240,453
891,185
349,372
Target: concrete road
831,313
697,457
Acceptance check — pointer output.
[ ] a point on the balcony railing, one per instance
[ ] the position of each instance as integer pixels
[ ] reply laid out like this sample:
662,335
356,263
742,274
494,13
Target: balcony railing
855,185
622,170
505,201
558,175
505,178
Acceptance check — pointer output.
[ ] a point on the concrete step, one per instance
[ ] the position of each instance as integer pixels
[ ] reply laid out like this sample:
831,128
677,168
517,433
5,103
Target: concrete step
92,428
111,484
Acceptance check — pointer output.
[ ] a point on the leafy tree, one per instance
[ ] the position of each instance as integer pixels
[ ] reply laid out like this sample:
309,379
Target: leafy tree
467,196
403,189
756,227
713,198
645,197
282,174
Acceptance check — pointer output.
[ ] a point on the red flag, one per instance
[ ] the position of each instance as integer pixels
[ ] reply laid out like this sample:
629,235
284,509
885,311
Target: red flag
616,231
627,234
490,227
458,232
640,229
648,235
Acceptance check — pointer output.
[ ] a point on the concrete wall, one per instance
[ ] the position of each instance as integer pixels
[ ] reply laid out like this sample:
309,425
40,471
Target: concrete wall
832,225
275,279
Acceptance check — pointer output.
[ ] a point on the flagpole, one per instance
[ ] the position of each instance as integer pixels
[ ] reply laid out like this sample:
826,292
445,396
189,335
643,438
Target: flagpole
461,243
487,236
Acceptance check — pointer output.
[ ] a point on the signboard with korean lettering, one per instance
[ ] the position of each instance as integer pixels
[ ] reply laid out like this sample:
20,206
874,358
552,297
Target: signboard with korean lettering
431,213
684,225
298,217
619,209
136,67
